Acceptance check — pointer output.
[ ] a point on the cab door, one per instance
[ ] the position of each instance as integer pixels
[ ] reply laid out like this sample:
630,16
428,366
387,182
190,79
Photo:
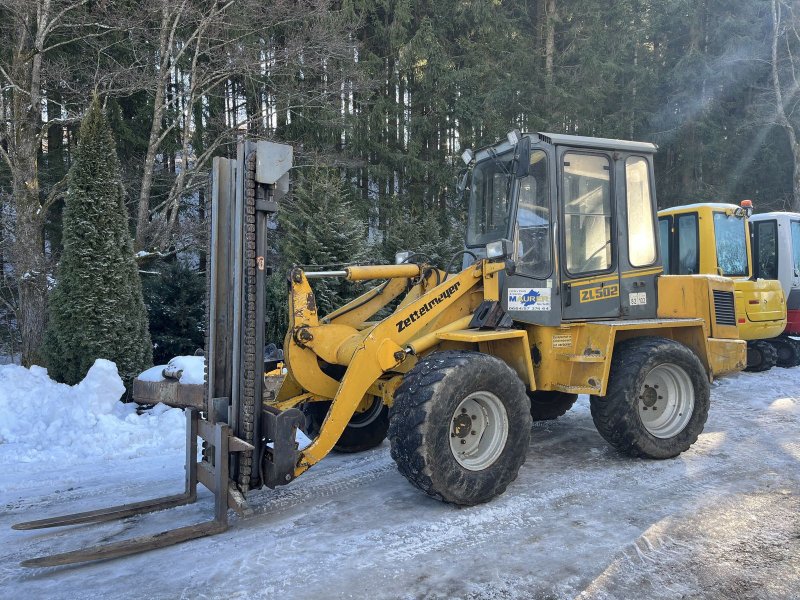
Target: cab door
590,283
531,296
793,295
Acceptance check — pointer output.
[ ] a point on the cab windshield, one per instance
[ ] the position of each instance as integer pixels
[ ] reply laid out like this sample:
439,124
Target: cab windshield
730,233
489,200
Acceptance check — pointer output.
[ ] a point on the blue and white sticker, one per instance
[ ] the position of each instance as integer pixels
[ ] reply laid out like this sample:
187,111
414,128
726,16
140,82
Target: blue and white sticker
529,299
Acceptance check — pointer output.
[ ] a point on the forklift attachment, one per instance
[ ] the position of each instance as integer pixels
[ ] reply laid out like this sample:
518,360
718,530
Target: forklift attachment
215,479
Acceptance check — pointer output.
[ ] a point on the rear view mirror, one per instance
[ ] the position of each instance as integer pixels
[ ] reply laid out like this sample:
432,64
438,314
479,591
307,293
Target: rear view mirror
462,183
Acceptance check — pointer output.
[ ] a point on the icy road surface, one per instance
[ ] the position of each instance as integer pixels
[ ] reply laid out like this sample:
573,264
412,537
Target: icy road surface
721,521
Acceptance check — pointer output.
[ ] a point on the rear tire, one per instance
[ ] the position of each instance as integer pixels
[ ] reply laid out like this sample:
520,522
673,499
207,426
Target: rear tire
787,351
460,426
364,431
547,405
657,399
761,356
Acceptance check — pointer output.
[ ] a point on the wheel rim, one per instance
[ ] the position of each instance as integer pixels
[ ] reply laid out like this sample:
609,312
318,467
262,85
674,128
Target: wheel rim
359,420
666,402
478,430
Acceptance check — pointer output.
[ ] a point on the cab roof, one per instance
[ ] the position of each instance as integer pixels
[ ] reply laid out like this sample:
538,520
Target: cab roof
560,139
698,205
576,141
773,214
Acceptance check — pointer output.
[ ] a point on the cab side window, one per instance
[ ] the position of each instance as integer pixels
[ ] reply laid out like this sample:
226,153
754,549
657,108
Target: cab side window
533,219
587,213
766,262
664,234
795,226
641,234
688,247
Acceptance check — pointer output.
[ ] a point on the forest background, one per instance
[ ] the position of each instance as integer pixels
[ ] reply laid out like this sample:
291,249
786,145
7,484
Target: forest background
379,98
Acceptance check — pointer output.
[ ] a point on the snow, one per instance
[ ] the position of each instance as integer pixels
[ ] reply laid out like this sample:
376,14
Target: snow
45,421
192,370
581,521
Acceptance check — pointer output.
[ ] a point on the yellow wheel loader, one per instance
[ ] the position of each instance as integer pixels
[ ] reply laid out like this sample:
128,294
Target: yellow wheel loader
559,292
715,238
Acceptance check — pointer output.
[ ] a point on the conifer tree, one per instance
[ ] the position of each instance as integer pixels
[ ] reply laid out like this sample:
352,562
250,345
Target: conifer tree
96,308
317,226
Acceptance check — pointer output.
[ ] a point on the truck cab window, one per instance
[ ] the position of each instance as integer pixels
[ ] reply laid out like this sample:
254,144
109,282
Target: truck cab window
664,234
533,219
587,212
766,242
796,246
489,202
688,250
641,234
730,233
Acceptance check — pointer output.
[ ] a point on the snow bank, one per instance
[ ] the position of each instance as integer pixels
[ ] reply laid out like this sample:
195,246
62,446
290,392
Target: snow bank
42,420
191,366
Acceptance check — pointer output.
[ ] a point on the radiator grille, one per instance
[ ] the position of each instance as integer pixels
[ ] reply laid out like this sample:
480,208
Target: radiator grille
724,308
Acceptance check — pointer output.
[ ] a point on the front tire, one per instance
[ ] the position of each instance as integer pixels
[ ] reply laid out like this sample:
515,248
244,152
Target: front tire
365,430
460,426
657,399
549,405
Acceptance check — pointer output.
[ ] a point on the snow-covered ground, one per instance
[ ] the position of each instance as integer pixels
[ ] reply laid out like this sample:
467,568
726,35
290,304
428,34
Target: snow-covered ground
720,521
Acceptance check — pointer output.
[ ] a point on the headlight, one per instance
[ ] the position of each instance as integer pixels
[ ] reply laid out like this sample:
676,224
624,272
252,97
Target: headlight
514,136
467,156
498,249
401,257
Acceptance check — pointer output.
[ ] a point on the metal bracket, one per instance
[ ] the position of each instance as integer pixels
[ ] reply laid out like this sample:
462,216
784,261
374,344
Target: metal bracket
490,315
281,453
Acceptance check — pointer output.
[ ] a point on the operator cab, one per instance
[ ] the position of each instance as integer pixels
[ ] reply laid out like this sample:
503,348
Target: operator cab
579,214
776,255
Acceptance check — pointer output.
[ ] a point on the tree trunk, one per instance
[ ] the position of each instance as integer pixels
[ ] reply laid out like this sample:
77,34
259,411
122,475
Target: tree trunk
143,209
28,247
780,109
550,37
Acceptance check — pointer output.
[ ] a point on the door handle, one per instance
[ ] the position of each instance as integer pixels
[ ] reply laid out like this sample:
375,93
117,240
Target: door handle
567,294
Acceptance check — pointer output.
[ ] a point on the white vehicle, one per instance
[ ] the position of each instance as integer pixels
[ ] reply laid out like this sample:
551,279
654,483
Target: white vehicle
776,254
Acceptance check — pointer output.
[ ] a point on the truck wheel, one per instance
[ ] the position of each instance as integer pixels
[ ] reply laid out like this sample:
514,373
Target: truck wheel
657,399
364,431
460,426
761,356
547,405
787,350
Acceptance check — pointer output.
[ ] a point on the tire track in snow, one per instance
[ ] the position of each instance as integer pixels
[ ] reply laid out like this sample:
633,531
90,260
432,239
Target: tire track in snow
318,486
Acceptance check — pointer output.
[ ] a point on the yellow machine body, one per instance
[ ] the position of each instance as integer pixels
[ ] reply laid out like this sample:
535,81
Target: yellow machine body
760,304
434,314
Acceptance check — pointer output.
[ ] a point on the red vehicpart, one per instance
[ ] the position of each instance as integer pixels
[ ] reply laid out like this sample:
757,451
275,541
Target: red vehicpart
792,322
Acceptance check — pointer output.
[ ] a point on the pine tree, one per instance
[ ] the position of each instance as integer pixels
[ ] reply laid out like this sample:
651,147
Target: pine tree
317,226
174,295
96,308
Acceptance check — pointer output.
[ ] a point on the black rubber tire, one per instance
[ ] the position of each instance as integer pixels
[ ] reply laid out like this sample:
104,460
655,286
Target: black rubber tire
616,415
787,351
796,344
549,405
761,356
365,431
419,425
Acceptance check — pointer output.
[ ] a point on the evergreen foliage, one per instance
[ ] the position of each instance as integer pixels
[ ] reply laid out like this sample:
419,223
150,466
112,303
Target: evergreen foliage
174,295
317,227
96,308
